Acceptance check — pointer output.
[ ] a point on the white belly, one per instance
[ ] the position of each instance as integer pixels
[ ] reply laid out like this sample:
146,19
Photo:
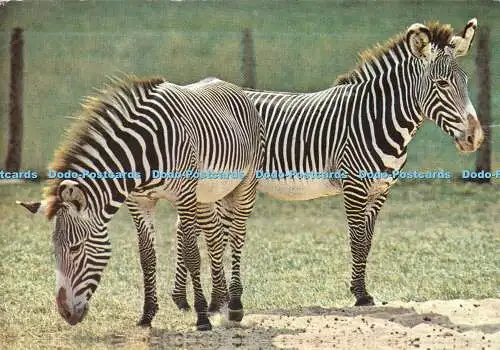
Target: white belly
299,189
207,191
211,190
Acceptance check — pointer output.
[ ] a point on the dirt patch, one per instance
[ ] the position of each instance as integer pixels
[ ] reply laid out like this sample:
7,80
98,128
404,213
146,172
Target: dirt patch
455,324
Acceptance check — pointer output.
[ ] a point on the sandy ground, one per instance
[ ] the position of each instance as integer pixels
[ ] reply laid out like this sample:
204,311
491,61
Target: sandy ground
455,324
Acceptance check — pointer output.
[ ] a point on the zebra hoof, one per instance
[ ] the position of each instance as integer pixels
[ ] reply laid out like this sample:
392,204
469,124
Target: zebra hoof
365,300
204,327
144,323
214,308
184,308
182,305
235,315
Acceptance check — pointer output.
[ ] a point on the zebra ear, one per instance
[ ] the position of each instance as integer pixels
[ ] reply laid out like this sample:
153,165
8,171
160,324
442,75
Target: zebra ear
69,191
461,43
34,207
418,38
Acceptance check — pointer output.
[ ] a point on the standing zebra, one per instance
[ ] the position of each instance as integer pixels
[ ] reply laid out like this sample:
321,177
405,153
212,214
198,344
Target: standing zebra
138,128
364,123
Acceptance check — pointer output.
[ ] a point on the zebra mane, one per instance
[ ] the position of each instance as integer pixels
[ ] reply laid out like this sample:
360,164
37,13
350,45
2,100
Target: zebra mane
80,129
441,35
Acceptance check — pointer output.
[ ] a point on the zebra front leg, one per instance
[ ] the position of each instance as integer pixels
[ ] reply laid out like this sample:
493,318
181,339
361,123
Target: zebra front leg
375,203
362,211
355,203
142,211
187,223
179,295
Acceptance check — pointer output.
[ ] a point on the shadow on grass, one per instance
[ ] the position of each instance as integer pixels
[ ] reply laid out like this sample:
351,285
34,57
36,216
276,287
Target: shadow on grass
247,337
226,336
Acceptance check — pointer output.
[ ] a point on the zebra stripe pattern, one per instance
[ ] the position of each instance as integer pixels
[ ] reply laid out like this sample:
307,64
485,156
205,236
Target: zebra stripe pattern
364,123
139,127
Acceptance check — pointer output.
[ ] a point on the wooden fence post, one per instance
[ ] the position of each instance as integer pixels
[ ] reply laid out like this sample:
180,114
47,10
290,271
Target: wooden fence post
3,86
13,159
248,60
483,160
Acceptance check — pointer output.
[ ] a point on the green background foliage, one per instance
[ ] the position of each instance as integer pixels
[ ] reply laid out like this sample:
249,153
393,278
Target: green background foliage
70,48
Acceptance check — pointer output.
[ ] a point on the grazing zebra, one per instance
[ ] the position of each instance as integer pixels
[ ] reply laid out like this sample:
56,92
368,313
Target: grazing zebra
139,127
364,123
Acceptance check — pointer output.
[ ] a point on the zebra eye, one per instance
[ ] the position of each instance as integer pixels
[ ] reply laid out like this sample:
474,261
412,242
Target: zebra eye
75,248
442,83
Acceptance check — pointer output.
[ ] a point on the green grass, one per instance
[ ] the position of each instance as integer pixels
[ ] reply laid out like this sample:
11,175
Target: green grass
70,48
435,240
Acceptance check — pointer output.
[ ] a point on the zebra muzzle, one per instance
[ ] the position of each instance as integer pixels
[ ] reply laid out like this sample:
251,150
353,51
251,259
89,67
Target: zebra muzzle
472,138
72,315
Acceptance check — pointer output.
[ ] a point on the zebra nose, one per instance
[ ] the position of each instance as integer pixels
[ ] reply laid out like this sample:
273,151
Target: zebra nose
62,306
474,135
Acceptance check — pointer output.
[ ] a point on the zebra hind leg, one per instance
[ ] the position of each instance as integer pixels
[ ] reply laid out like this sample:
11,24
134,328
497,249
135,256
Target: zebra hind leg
179,295
142,211
240,205
187,222
210,224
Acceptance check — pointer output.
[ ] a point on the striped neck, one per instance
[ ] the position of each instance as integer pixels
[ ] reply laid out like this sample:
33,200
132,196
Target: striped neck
98,146
393,86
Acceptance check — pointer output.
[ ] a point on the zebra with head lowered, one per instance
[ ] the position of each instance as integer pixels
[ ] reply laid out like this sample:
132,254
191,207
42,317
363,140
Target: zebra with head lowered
364,123
138,127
